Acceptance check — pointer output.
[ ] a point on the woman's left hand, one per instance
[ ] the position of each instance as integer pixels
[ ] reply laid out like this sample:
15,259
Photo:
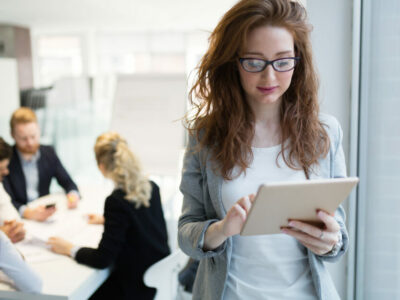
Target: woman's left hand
320,241
60,246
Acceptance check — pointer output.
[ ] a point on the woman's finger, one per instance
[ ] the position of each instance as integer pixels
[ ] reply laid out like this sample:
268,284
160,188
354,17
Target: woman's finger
303,237
245,203
238,210
330,222
314,244
324,235
306,228
252,197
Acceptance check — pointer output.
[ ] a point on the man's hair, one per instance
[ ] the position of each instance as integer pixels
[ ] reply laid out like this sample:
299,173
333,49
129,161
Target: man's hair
22,115
5,150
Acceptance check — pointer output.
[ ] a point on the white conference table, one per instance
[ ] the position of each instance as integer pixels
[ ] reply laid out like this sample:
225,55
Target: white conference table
63,278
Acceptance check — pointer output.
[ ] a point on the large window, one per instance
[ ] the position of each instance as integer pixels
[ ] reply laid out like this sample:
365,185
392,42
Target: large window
141,53
378,240
58,56
83,67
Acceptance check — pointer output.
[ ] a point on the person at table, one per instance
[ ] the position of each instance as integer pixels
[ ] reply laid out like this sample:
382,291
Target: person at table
22,276
135,234
32,167
10,222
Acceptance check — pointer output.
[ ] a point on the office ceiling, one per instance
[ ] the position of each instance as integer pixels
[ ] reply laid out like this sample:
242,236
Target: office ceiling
103,14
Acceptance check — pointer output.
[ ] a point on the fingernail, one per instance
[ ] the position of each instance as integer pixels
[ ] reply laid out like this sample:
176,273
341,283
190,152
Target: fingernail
292,224
321,213
284,230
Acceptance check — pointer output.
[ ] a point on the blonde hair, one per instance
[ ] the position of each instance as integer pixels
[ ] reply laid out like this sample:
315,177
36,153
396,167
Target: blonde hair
22,115
123,168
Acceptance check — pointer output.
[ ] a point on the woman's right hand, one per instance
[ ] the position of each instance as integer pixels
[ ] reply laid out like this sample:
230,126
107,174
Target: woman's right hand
233,222
95,219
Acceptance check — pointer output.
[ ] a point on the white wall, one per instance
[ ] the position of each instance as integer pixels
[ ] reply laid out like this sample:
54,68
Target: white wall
332,38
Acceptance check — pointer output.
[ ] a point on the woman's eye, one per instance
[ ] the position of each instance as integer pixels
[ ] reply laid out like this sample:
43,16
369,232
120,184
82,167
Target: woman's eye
282,63
254,63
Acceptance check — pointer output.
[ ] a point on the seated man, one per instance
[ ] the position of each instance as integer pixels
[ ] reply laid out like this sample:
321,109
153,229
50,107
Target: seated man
9,218
32,167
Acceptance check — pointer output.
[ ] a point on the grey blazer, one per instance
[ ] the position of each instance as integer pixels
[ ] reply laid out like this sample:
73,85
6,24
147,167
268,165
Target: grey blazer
202,206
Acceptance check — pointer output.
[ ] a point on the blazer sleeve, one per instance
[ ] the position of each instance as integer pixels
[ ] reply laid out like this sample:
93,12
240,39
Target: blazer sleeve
12,264
14,183
113,239
338,170
193,222
61,174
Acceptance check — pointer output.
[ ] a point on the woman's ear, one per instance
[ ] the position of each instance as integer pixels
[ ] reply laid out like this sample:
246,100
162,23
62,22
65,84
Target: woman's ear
102,169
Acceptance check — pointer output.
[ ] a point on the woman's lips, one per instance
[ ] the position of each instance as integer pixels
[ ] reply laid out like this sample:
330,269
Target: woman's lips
267,90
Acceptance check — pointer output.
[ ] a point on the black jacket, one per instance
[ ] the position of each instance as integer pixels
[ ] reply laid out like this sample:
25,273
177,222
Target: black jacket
133,239
49,167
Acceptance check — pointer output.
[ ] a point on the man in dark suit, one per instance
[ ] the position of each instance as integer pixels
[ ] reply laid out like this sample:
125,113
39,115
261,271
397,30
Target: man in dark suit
32,167
10,221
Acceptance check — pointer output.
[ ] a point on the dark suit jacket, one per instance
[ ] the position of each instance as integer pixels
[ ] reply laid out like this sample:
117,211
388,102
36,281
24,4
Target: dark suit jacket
49,166
133,239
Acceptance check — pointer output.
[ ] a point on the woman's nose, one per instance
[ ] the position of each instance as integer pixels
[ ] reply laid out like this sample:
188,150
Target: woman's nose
269,73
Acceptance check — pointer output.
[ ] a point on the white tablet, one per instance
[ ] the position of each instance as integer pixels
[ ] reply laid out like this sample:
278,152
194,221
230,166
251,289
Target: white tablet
278,202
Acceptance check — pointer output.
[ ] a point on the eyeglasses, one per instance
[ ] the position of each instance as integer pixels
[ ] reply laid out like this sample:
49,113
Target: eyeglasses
255,65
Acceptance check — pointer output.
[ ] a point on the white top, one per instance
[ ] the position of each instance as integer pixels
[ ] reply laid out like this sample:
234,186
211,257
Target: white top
16,269
266,266
7,209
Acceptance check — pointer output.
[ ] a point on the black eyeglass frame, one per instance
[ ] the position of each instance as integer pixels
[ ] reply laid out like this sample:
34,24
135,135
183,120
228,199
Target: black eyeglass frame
268,62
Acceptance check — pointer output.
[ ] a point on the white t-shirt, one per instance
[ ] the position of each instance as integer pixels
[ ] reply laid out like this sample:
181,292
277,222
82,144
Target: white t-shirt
7,209
265,266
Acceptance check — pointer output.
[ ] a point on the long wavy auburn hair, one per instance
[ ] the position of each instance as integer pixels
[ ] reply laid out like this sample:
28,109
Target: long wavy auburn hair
123,168
223,120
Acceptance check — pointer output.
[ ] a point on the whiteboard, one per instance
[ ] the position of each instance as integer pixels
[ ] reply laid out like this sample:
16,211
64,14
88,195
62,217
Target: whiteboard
147,112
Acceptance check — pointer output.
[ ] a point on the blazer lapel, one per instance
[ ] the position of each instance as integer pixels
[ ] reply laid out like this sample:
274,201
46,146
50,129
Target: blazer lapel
18,175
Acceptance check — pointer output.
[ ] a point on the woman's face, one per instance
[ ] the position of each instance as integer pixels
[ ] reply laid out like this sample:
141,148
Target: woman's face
268,86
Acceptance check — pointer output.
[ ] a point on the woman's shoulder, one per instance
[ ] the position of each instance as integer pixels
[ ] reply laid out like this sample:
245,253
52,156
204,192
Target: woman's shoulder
154,185
117,197
195,148
155,193
331,125
118,193
329,120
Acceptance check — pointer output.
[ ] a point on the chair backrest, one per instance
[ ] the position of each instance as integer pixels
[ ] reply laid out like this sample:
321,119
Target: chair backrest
163,275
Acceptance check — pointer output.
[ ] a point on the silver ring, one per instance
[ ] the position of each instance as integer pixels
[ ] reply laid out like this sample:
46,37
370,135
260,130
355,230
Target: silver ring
321,235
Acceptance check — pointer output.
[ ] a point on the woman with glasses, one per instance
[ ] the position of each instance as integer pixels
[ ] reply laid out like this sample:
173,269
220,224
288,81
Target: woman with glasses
257,120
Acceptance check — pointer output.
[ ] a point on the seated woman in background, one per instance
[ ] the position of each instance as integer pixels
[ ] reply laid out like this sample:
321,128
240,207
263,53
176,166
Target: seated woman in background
135,234
16,269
